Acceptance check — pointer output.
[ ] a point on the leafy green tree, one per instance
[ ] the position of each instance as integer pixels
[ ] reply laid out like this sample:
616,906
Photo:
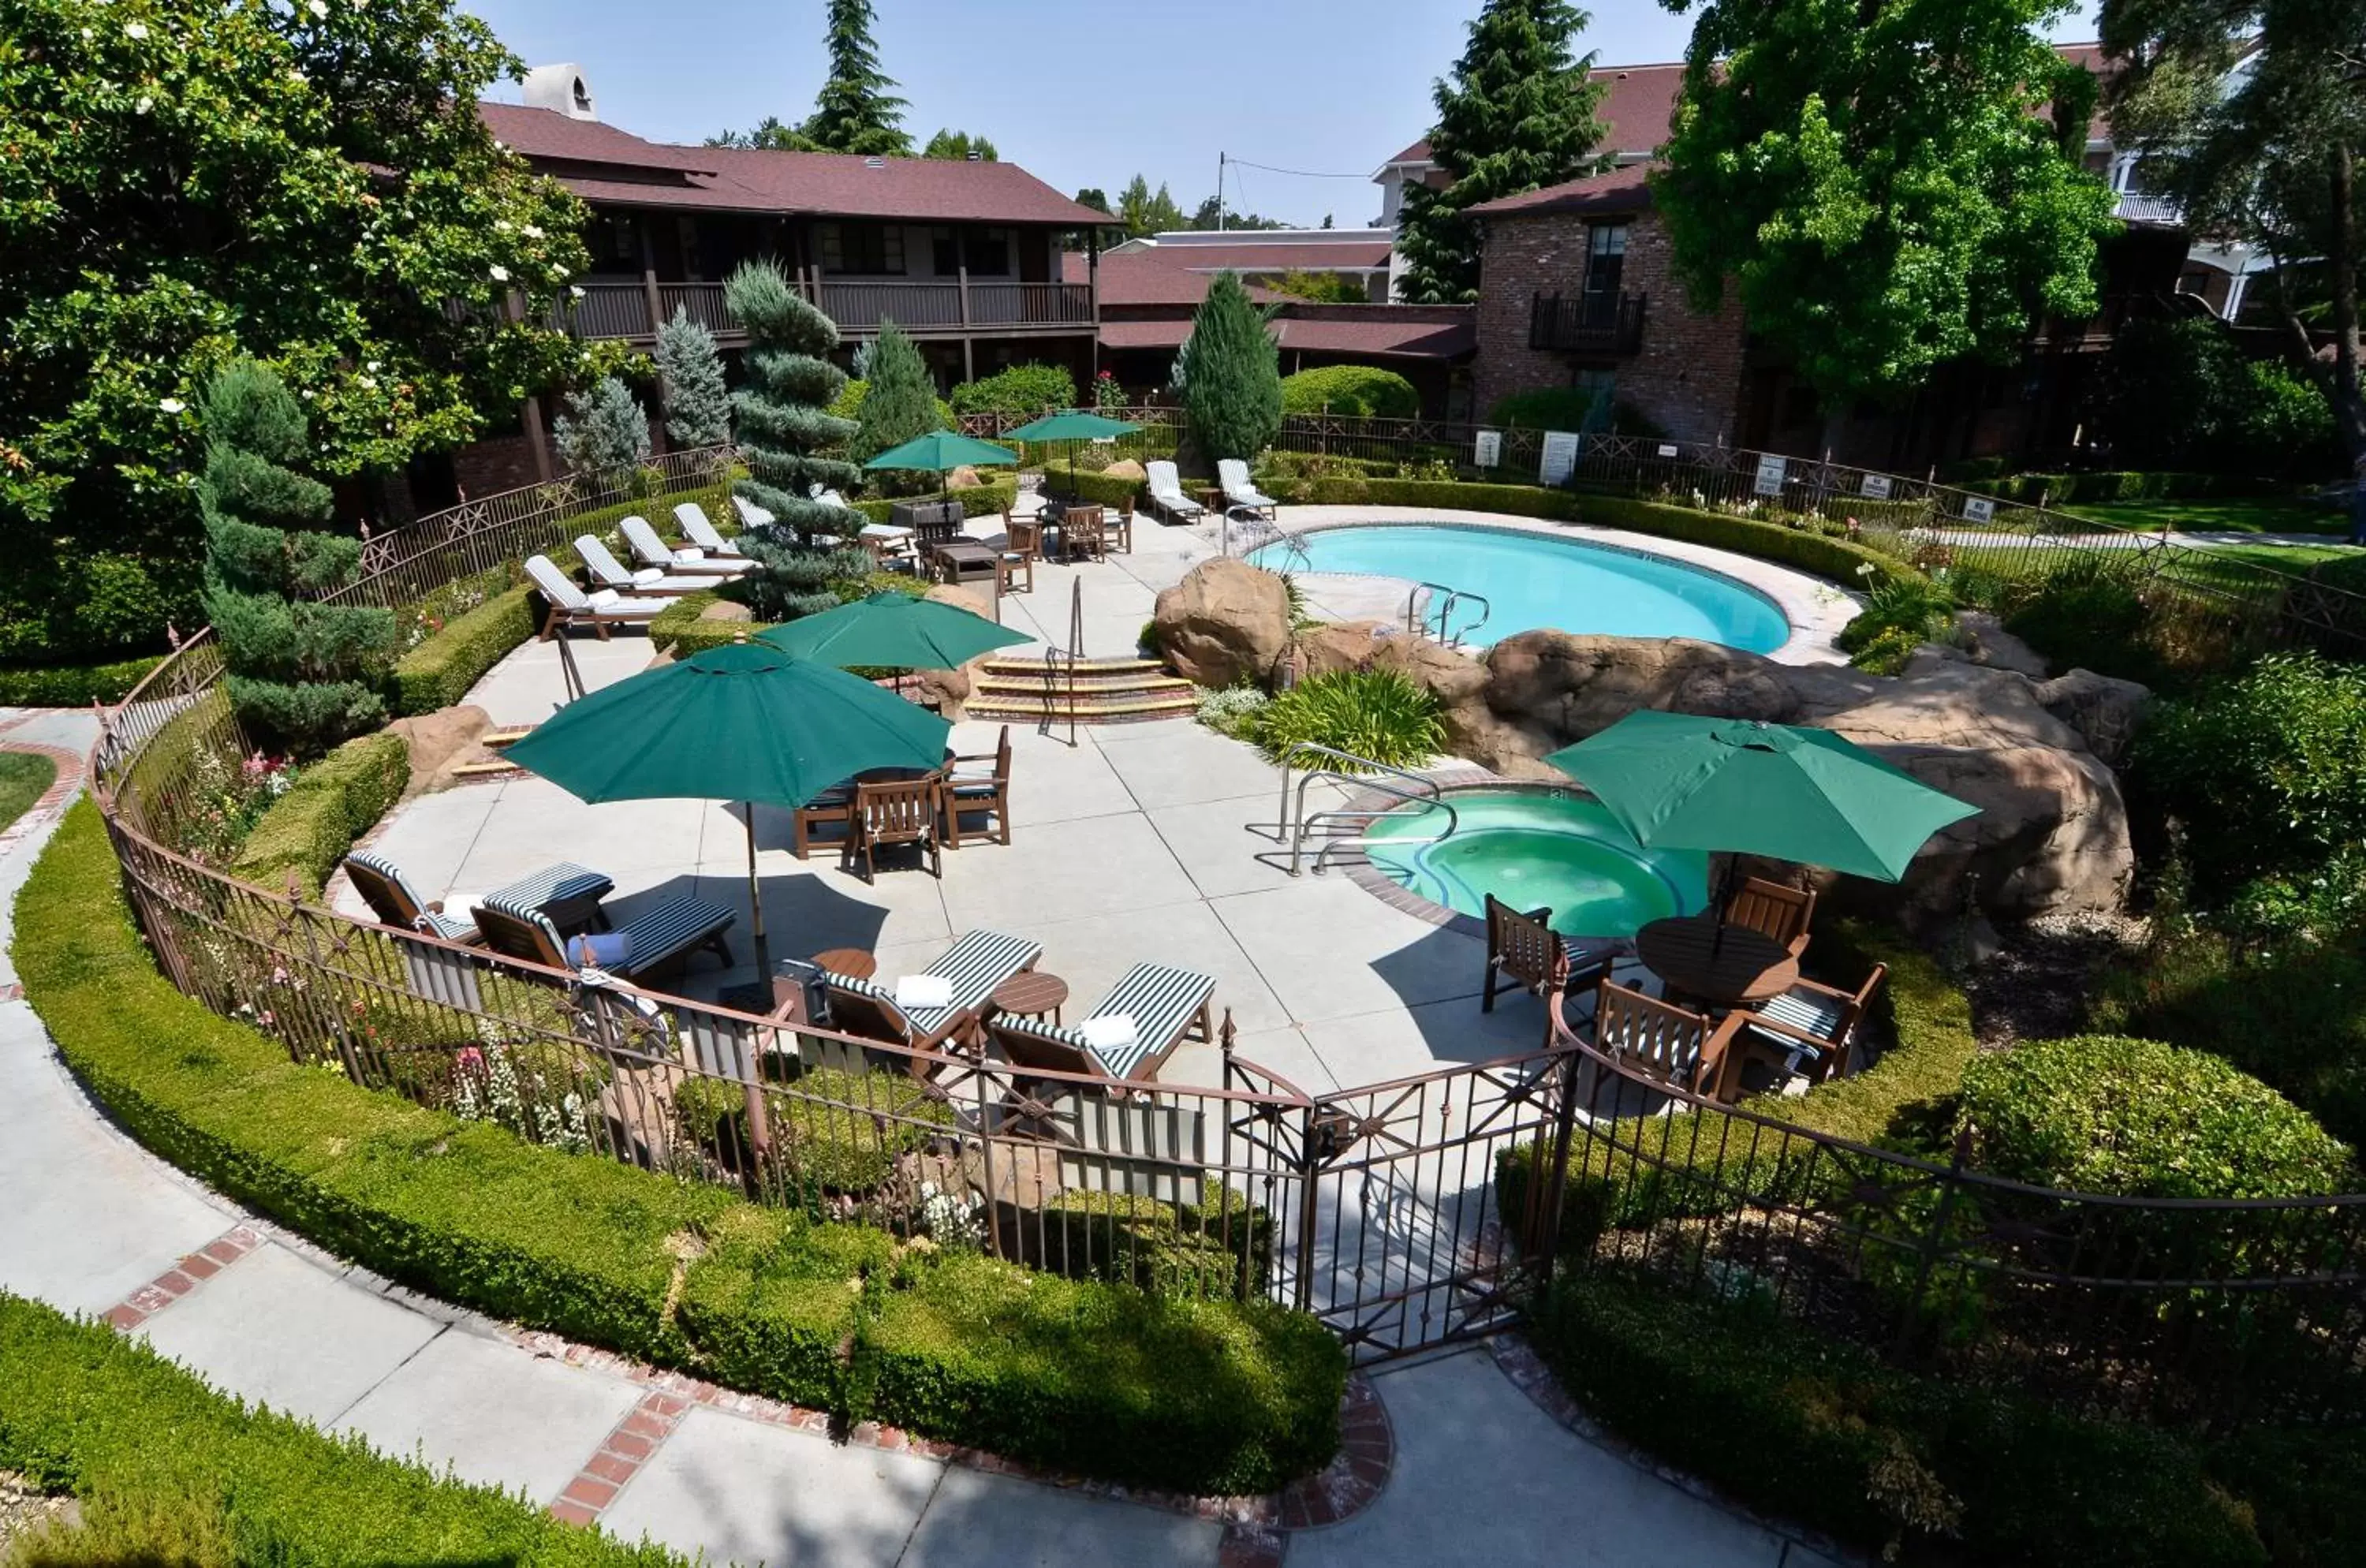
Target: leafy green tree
1211,210
1233,396
958,145
181,183
1517,114
2270,156
857,110
1094,197
1321,287
690,372
604,434
900,400
1022,390
770,131
302,673
784,430
1142,213
1877,185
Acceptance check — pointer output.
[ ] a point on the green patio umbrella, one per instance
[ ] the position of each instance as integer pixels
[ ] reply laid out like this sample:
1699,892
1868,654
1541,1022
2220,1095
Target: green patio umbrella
942,451
1073,426
1678,780
893,631
741,722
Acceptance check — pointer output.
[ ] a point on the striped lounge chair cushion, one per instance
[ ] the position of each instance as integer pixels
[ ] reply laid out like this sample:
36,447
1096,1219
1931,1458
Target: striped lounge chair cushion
1161,1002
975,964
650,938
1810,1012
451,927
561,883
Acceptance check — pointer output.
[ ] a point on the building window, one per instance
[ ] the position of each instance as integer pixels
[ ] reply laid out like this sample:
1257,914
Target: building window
1606,258
614,244
985,252
863,249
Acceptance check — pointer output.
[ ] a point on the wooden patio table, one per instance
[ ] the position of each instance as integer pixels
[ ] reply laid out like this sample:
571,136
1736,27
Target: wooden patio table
1730,970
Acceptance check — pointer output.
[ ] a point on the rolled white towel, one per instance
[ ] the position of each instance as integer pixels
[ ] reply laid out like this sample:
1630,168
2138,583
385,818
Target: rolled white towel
924,991
1111,1033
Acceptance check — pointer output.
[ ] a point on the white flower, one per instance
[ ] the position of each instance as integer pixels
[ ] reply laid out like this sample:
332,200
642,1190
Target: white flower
308,394
87,35
135,31
369,383
574,291
500,272
144,105
172,405
533,232
500,225
318,8
371,366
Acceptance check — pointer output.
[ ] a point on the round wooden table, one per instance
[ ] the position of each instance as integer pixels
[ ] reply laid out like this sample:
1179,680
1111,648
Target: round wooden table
854,962
1031,994
1739,967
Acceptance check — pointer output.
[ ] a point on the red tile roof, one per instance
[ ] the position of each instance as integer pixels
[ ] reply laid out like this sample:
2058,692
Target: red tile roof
1379,332
1312,255
548,134
1146,278
1621,190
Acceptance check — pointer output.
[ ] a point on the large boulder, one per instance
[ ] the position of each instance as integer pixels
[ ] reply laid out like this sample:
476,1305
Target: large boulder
1565,687
949,691
1940,702
1983,641
1224,622
439,740
1124,469
2104,710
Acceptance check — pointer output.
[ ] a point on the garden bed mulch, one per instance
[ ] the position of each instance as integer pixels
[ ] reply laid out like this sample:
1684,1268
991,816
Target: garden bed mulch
2037,984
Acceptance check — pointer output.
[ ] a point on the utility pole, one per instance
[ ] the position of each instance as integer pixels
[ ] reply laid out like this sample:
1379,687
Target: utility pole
1219,193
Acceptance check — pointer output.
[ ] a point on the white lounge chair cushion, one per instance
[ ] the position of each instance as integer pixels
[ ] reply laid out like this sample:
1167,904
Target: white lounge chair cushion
699,530
913,991
1107,1034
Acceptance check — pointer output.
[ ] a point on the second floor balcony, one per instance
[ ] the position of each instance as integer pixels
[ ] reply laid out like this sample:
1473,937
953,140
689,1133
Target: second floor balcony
956,307
1587,323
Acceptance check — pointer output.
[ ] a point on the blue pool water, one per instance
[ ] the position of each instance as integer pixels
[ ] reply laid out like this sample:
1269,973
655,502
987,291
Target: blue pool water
1537,580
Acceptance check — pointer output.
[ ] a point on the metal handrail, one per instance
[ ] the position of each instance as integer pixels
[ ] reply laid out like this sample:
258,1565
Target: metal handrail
1363,764
1343,814
1446,611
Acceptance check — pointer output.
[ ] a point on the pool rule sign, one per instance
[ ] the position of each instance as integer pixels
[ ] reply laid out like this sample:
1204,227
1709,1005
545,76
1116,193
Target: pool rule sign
1560,457
1770,475
1488,450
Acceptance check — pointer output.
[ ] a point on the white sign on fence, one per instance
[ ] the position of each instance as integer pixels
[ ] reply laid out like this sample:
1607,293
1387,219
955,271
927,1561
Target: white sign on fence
1488,453
1667,450
1978,509
1770,475
1877,487
1560,457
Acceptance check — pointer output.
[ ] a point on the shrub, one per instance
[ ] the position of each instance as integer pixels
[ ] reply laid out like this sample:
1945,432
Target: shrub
2138,1117
334,801
1353,390
1924,610
697,401
1024,391
1199,1396
1233,393
73,685
440,671
604,434
1236,711
848,405
1568,408
2173,390
1379,715
841,1132
174,1475
900,400
1889,653
2089,613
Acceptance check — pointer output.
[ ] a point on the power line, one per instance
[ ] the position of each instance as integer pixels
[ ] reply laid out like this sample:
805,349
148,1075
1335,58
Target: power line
1298,173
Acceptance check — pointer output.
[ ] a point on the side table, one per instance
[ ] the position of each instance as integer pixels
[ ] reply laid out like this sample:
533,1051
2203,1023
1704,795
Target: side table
1031,994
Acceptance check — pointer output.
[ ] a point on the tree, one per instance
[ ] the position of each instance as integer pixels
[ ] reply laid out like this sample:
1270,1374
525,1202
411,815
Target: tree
690,374
1322,287
1094,197
1517,114
1885,195
2273,161
959,146
1212,209
1232,394
302,673
899,402
1142,213
785,428
769,131
604,434
190,182
856,110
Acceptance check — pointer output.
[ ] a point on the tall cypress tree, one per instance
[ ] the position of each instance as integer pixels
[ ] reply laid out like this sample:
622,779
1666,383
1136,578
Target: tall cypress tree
785,426
857,110
302,673
1232,390
900,402
697,403
1517,114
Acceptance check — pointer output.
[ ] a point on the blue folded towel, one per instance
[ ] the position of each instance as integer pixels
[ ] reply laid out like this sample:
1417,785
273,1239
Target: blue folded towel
600,949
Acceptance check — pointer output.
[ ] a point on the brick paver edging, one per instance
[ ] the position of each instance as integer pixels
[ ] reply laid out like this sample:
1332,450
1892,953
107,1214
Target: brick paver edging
183,1277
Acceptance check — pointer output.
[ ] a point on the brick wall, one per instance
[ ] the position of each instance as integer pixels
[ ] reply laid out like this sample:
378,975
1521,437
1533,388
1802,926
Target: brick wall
486,467
1688,380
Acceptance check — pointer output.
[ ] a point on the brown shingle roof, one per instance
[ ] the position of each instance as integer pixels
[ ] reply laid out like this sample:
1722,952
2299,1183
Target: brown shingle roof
1146,278
548,134
1247,256
1378,331
1621,190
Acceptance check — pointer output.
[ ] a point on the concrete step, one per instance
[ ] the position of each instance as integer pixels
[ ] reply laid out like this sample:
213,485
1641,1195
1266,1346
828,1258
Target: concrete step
1012,711
1094,685
1085,667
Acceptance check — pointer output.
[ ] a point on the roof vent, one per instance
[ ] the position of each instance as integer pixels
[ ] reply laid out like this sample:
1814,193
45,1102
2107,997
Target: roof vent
562,89
874,162
977,157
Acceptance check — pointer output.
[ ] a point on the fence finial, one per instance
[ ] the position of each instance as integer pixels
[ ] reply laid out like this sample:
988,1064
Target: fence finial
1225,1035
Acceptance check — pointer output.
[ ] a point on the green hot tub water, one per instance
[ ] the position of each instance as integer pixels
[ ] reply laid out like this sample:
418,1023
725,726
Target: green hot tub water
1533,848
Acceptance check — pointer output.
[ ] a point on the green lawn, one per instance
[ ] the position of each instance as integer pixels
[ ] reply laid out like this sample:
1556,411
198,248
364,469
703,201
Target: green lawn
2276,514
2284,557
23,776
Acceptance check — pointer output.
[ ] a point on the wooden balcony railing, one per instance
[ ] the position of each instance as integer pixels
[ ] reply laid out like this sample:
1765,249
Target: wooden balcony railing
1587,323
633,311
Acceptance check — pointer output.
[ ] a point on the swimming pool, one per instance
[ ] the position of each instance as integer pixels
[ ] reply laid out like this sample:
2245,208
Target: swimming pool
1534,847
1536,581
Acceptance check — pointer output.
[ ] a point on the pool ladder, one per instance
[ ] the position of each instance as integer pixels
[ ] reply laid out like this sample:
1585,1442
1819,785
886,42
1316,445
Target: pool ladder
1296,826
1418,623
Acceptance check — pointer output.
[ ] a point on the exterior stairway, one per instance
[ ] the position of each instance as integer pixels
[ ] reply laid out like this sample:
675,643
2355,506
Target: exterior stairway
1108,691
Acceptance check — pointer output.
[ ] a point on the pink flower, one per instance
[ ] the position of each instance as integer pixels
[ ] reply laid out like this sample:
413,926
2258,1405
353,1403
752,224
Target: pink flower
469,1057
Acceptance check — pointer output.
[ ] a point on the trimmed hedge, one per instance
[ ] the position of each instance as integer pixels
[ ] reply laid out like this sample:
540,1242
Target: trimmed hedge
439,672
990,499
1104,490
73,685
334,801
1813,1428
87,1410
1195,1395
1352,392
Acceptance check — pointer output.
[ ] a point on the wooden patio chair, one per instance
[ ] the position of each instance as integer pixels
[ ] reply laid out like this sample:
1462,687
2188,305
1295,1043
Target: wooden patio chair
835,804
1117,527
1773,910
1668,1045
1081,533
1812,1029
903,811
1022,536
1523,951
969,789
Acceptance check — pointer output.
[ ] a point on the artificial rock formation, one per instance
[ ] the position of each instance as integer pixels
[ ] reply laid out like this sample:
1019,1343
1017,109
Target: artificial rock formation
1225,622
440,740
949,691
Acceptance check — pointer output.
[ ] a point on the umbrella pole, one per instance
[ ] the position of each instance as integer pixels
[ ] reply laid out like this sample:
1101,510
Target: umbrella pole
760,1131
756,908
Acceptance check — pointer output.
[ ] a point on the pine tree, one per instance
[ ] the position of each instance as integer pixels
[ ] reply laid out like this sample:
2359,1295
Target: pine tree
785,426
1517,114
901,400
697,403
958,146
856,110
302,673
603,435
1233,395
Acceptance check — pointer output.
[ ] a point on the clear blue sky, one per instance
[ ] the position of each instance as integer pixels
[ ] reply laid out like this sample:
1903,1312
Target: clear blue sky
1080,91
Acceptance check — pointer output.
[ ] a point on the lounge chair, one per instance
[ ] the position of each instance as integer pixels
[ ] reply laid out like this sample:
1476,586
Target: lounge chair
691,519
1165,1006
571,607
1240,493
1523,951
567,894
903,811
972,788
1811,1027
1778,913
974,967
654,553
654,941
609,572
750,514
1167,495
